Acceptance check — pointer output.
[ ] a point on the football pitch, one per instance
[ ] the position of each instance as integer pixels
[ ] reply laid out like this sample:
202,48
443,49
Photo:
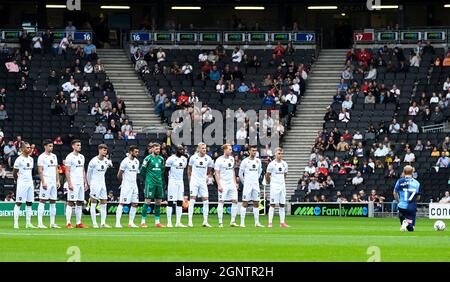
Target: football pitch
330,239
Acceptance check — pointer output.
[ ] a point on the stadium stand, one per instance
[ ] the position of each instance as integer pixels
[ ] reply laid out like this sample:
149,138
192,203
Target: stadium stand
398,111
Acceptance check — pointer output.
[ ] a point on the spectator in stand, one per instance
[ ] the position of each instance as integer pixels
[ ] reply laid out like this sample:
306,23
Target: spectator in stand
126,127
330,115
369,99
25,42
443,160
9,196
36,42
113,127
344,116
446,62
106,103
358,179
9,152
100,128
89,48
415,60
47,41
394,127
409,157
342,85
348,103
107,86
160,56
412,127
342,146
65,43
437,116
3,113
214,74
347,74
23,84
243,88
88,68
70,28
372,74
313,185
2,95
203,56
236,56
279,50
413,109
446,198
212,57
435,152
108,135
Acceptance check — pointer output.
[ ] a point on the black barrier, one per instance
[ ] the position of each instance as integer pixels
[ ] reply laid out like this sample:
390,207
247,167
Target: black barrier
331,209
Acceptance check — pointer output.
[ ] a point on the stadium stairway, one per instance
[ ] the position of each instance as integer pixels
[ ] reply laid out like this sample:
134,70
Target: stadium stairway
139,104
321,86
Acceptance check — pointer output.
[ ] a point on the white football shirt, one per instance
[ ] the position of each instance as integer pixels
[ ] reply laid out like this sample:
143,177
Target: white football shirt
277,171
130,170
177,165
96,171
49,164
226,168
76,165
200,167
24,165
250,170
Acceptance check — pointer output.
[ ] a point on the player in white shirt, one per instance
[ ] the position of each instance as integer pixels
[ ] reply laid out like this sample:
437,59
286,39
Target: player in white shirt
76,178
23,175
199,168
95,178
275,176
226,184
48,174
129,193
249,172
175,166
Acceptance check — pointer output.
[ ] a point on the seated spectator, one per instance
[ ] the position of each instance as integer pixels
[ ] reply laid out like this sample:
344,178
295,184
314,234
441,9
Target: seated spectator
437,116
342,146
395,91
369,99
9,196
279,50
160,56
237,74
344,116
443,160
330,115
347,104
89,48
358,179
412,127
214,75
415,60
3,113
88,68
253,89
446,62
126,127
342,85
394,127
347,74
413,109
311,169
12,66
100,128
9,152
212,57
445,199
243,88
23,84
313,185
108,135
268,100
99,67
381,151
446,85
236,56
105,104
203,56
409,157
107,86
372,74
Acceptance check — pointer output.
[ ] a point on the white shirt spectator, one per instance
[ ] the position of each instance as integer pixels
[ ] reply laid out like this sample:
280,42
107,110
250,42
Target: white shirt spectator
161,56
347,104
344,117
37,42
313,185
310,169
241,134
372,74
434,99
413,128
446,85
88,68
220,88
394,128
68,87
396,92
292,98
186,69
357,136
409,158
202,57
381,152
236,57
296,87
357,180
413,111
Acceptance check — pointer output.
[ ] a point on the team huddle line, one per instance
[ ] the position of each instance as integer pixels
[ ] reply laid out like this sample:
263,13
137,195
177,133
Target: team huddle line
154,168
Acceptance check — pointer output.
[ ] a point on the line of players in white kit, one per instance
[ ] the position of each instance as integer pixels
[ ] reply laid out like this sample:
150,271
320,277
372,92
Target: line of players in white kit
199,167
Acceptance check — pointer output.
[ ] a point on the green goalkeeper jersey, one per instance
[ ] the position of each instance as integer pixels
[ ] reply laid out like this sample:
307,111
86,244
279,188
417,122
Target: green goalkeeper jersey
153,170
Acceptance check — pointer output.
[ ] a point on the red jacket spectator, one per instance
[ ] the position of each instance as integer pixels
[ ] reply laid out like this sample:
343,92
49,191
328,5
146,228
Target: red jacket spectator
182,98
279,50
364,57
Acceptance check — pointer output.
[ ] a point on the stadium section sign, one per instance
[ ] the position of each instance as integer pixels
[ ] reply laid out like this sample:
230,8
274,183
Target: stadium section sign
331,209
7,209
439,211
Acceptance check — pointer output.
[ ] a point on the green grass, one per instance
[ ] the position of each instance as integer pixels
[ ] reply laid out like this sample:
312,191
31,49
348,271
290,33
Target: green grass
309,239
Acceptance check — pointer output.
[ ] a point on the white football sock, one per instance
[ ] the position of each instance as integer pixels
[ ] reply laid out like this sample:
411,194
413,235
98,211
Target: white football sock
234,209
119,214
271,212
256,214
243,211
169,213
103,214
16,214
40,212
205,211
52,214
93,211
132,215
282,214
68,213
78,212
28,214
179,212
191,209
220,212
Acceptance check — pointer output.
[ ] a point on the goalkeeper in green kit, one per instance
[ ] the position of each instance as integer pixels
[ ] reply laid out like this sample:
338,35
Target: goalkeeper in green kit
152,170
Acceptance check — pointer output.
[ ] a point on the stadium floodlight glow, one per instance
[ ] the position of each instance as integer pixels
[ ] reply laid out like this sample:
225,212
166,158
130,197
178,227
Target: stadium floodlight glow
51,6
249,8
446,5
322,7
116,7
385,6
343,14
186,8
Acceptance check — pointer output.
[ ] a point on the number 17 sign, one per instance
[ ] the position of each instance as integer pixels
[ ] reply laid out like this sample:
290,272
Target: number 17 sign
363,36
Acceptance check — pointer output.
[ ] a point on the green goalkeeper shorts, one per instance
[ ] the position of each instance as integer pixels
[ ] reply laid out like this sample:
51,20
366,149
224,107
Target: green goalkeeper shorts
153,191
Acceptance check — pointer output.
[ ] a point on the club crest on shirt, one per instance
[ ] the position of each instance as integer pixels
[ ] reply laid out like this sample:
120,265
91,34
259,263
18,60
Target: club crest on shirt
28,164
279,169
133,166
201,163
253,166
79,162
